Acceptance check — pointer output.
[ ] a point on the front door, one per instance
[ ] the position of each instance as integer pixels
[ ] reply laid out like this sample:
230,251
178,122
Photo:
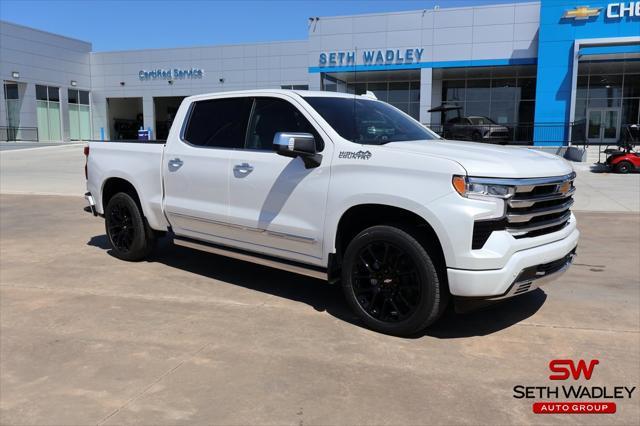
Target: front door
278,205
603,125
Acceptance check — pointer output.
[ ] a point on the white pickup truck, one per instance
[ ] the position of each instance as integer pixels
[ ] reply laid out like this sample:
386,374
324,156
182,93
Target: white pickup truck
344,188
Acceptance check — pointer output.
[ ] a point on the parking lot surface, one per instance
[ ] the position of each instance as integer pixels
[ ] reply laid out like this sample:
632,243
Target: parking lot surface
188,337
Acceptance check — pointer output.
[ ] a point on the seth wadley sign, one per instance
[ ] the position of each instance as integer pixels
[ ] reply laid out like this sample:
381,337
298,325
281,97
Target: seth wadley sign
372,57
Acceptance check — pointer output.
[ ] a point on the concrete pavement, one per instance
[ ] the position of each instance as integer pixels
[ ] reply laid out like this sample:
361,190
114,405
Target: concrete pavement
194,338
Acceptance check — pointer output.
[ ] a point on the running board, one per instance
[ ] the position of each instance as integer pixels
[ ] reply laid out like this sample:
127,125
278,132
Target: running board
269,261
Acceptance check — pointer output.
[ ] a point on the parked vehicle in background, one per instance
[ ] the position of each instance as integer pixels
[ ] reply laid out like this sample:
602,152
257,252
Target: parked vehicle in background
343,188
625,159
476,128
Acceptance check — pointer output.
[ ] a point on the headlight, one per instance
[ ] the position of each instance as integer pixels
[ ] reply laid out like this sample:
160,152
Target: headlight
479,189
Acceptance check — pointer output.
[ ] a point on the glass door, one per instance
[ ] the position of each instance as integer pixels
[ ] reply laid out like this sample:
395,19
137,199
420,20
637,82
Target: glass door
603,125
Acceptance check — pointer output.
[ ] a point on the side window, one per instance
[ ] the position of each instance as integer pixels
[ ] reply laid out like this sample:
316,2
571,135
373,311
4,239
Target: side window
272,115
220,123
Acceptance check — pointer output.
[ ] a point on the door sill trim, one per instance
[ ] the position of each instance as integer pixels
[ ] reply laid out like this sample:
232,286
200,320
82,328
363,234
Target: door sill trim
247,256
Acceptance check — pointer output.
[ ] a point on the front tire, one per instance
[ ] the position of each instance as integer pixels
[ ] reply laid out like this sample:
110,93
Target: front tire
623,167
130,237
391,282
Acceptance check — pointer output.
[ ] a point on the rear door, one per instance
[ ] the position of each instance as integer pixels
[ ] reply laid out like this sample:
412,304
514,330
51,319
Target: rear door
277,204
196,164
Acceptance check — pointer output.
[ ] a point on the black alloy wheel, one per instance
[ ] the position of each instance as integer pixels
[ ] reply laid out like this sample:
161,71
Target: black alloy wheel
128,233
385,282
390,281
121,228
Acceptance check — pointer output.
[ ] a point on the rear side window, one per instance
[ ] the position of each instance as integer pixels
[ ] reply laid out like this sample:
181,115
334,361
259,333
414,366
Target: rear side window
273,115
220,123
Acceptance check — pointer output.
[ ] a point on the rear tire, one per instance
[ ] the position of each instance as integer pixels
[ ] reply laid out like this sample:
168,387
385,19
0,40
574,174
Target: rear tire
128,233
391,283
623,167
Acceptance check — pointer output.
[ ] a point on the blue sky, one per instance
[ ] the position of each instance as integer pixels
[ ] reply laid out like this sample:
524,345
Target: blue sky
122,25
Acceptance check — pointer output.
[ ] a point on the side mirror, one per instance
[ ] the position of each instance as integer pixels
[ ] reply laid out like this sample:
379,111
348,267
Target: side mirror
303,145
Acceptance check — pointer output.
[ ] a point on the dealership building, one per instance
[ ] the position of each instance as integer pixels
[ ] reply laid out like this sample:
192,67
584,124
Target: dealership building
552,71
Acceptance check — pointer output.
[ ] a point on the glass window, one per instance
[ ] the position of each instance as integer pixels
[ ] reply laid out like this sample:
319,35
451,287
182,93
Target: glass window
368,121
398,93
41,93
482,109
84,97
526,110
503,89
605,86
414,91
478,90
631,86
73,96
599,103
631,111
300,87
378,89
54,94
414,110
219,122
453,90
527,88
273,115
582,87
503,112
11,91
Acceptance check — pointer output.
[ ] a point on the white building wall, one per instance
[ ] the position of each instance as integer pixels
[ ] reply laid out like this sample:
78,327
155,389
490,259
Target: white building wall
448,36
41,58
233,67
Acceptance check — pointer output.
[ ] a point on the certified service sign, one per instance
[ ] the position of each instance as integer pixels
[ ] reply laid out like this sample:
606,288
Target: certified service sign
170,74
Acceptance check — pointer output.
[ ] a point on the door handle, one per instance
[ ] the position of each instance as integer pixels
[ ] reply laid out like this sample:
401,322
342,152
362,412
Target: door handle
175,164
243,168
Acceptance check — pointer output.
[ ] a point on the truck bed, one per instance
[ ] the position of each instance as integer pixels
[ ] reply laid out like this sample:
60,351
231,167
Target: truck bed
137,162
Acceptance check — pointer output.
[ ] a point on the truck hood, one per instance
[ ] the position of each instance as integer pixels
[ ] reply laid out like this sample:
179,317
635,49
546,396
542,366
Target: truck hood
484,160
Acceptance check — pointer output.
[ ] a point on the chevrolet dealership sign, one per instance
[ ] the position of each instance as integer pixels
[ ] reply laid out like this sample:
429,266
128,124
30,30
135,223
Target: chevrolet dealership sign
614,11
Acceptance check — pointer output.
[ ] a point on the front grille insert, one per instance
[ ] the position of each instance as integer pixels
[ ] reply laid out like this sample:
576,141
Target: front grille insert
538,207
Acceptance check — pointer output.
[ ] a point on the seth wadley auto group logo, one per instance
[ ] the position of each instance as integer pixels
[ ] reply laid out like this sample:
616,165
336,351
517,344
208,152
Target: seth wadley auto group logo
573,398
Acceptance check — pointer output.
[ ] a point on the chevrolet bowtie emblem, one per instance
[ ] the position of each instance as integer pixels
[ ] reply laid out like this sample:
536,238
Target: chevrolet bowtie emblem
582,12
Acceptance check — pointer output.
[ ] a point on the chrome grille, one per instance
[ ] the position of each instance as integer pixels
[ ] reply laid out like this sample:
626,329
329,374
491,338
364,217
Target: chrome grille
540,206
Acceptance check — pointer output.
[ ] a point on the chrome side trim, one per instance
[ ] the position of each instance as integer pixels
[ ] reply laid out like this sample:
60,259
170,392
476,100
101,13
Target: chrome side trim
296,268
523,182
284,235
525,217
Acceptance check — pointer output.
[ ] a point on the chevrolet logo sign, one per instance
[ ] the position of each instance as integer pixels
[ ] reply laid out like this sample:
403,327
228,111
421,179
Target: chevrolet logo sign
582,12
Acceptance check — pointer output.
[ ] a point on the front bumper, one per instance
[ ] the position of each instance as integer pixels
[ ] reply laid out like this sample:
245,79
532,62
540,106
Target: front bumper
519,275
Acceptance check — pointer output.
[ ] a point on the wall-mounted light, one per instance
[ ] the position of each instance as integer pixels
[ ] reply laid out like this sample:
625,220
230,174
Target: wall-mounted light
15,74
74,83
122,83
170,82
221,79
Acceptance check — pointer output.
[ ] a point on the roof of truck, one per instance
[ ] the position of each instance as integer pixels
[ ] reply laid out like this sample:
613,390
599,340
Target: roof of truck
303,93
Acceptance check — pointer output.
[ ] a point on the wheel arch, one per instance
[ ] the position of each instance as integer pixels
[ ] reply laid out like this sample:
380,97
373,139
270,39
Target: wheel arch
113,185
362,216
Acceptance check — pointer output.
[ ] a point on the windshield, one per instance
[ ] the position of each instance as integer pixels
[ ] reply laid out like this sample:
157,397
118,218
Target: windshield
368,122
481,120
